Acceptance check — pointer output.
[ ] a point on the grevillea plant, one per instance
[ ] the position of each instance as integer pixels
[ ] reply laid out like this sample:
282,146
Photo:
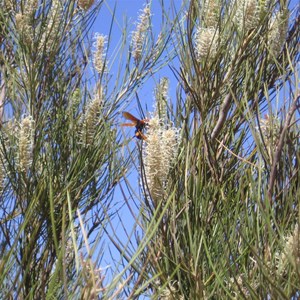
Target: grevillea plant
211,184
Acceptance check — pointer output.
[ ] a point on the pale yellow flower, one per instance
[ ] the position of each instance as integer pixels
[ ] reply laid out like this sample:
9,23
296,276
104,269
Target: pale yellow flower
138,36
51,32
211,13
25,142
159,154
247,14
291,252
91,119
206,42
99,53
277,32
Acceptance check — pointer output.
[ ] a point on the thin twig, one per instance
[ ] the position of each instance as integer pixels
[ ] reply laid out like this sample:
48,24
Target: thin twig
277,154
2,98
222,116
237,156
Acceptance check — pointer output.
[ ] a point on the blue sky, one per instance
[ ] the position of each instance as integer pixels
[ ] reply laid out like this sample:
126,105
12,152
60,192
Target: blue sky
126,14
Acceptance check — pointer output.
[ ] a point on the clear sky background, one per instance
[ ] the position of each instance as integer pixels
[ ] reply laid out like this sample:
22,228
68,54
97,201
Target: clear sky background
126,15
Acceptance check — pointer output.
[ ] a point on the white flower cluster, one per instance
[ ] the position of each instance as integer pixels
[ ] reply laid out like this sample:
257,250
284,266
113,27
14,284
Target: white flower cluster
91,119
291,252
277,32
25,143
138,36
207,34
206,42
247,14
99,53
160,150
53,27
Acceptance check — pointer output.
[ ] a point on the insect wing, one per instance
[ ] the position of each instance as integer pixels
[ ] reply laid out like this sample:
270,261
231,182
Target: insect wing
138,124
128,124
130,117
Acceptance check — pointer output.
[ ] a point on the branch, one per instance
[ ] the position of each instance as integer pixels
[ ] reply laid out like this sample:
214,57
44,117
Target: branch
222,116
2,97
280,146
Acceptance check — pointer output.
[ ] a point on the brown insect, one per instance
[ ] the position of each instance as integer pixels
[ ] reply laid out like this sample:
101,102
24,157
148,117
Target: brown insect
137,123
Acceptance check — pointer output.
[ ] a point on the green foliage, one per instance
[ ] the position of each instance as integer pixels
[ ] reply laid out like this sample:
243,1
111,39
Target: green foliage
217,212
230,201
54,146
